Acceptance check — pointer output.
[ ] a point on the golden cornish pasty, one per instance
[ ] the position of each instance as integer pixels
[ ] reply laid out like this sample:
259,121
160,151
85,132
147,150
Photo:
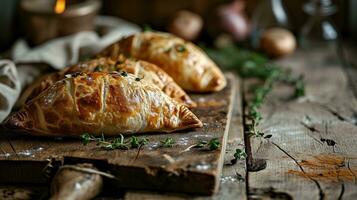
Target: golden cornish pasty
102,103
186,63
140,69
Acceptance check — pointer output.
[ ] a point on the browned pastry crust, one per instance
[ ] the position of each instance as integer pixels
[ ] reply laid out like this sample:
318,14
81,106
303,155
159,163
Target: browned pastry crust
186,63
140,69
102,103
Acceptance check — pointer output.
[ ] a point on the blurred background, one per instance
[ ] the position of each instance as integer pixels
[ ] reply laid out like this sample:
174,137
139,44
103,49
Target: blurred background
158,14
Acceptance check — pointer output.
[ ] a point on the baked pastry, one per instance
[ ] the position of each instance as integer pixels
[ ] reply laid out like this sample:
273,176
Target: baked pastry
102,103
186,63
140,69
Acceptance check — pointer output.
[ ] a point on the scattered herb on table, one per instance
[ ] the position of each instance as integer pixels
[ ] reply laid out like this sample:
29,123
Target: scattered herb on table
167,142
268,136
136,143
200,144
329,142
240,154
213,144
116,143
86,138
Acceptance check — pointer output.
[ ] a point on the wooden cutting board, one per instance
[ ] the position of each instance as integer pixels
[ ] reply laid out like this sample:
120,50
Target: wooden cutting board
33,160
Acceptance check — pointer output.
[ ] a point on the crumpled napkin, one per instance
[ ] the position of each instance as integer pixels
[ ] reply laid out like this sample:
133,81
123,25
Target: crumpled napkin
65,51
58,53
9,87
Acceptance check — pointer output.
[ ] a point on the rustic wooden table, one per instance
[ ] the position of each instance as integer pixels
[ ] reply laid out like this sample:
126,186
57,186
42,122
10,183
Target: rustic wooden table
311,153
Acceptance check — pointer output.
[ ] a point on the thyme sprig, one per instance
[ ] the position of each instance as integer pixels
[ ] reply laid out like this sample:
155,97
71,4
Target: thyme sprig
213,144
239,154
117,143
251,64
167,142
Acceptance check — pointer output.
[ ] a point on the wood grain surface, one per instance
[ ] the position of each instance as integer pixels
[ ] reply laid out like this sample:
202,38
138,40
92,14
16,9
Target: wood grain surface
312,151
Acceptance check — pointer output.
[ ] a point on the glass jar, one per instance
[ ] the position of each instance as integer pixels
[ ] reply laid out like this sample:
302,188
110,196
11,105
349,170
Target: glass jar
319,30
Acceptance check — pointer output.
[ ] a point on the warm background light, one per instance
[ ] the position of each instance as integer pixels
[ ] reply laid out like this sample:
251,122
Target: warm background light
60,6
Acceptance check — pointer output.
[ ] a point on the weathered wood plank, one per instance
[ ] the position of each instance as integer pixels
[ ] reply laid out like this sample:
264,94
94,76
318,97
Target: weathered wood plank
176,169
312,151
233,185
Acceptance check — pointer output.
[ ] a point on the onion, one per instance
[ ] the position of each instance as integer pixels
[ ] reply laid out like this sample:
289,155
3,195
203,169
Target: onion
233,20
186,24
277,42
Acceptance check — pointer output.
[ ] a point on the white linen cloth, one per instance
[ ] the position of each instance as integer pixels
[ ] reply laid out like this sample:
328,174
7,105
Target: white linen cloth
58,53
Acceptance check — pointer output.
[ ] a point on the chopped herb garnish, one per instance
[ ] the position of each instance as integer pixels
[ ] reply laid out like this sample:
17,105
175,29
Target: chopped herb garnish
124,74
99,68
167,142
180,48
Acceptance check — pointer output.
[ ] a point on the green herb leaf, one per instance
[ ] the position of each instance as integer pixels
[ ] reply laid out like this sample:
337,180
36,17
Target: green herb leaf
135,142
99,68
201,144
180,48
167,142
214,144
124,74
240,154
300,87
86,138
268,136
138,79
117,143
